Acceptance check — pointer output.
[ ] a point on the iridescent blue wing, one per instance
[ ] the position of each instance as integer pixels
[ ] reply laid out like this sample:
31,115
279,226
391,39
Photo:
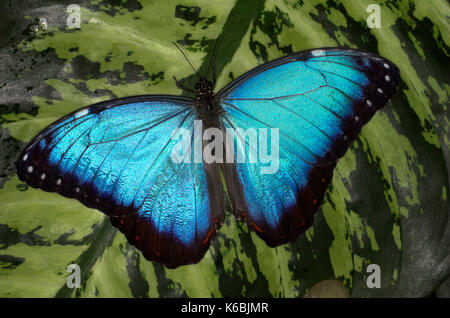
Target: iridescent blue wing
319,100
115,156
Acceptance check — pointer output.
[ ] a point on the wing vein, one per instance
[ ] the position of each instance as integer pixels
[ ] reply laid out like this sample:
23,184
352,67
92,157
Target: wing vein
300,144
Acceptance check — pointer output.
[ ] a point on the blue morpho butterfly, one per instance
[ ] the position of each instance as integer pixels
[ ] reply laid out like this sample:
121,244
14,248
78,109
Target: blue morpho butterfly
116,156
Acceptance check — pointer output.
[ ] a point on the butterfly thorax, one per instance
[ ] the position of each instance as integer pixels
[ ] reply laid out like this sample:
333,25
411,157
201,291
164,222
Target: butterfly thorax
207,106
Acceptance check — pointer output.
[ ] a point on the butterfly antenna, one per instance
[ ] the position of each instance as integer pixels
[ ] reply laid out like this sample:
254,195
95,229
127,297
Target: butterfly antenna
182,52
213,54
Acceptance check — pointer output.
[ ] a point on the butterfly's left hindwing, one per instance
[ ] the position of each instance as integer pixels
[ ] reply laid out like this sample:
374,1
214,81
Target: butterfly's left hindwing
318,100
116,156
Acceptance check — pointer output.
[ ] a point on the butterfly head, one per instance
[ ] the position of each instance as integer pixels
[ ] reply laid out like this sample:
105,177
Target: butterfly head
203,89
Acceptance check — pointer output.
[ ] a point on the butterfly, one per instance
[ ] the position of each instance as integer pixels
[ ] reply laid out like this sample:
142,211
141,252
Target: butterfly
117,156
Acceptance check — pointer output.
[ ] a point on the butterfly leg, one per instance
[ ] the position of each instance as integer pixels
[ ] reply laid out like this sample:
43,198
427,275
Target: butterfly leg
181,86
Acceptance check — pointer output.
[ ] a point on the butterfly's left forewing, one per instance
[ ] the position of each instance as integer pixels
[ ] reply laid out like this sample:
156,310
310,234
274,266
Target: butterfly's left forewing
318,100
117,156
